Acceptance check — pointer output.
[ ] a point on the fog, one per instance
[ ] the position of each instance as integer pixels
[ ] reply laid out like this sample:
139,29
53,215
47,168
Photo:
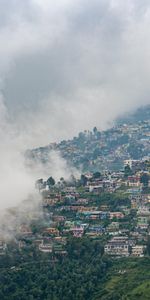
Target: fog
65,66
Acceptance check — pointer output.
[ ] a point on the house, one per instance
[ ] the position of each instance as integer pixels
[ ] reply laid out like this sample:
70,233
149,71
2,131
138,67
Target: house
47,248
77,231
96,188
146,198
60,240
113,228
117,215
134,181
49,201
51,230
95,214
143,215
134,203
118,246
25,230
135,165
138,250
82,201
142,222
58,218
96,230
58,249
104,207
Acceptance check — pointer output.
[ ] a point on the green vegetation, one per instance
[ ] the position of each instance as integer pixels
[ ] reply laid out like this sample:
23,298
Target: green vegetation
73,277
128,279
85,273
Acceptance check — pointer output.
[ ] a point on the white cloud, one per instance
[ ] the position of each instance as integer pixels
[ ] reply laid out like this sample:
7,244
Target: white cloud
64,58
66,66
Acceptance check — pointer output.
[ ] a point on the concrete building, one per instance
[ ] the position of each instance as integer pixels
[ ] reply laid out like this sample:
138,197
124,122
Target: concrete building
118,246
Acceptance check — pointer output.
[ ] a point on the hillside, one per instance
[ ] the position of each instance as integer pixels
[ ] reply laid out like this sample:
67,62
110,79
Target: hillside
100,150
84,274
141,114
88,237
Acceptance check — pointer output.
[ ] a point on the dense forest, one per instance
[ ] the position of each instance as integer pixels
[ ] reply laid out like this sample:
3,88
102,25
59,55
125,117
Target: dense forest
85,273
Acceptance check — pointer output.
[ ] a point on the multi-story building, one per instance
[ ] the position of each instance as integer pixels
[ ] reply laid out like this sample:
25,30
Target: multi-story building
138,250
118,246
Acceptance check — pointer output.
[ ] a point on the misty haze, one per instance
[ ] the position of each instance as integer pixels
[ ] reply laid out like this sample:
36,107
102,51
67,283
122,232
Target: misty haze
75,149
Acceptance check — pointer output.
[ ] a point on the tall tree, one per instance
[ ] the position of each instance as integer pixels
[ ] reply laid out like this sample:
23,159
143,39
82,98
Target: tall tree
127,171
51,181
144,179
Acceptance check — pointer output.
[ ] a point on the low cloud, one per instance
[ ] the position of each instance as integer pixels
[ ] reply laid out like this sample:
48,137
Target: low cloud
71,65
66,66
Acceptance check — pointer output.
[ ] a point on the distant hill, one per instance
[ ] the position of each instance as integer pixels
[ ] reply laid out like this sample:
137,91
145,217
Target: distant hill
141,114
103,150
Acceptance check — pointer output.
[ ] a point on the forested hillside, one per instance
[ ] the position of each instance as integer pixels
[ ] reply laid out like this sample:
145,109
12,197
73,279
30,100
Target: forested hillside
84,274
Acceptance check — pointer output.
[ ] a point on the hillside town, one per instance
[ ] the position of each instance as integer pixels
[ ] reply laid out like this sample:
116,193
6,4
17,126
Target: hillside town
101,150
108,200
88,230
112,207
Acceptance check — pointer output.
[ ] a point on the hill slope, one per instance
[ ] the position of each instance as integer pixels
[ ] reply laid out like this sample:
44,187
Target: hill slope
98,150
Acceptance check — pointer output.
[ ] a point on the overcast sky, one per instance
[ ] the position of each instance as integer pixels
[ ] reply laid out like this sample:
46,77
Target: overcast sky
66,66
69,65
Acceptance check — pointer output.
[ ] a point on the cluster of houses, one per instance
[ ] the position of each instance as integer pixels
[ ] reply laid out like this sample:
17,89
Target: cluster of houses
102,150
107,149
73,209
75,213
122,246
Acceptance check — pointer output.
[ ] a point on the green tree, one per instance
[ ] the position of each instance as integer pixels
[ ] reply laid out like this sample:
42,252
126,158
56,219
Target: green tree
39,184
83,180
51,181
127,171
144,179
97,175
95,130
